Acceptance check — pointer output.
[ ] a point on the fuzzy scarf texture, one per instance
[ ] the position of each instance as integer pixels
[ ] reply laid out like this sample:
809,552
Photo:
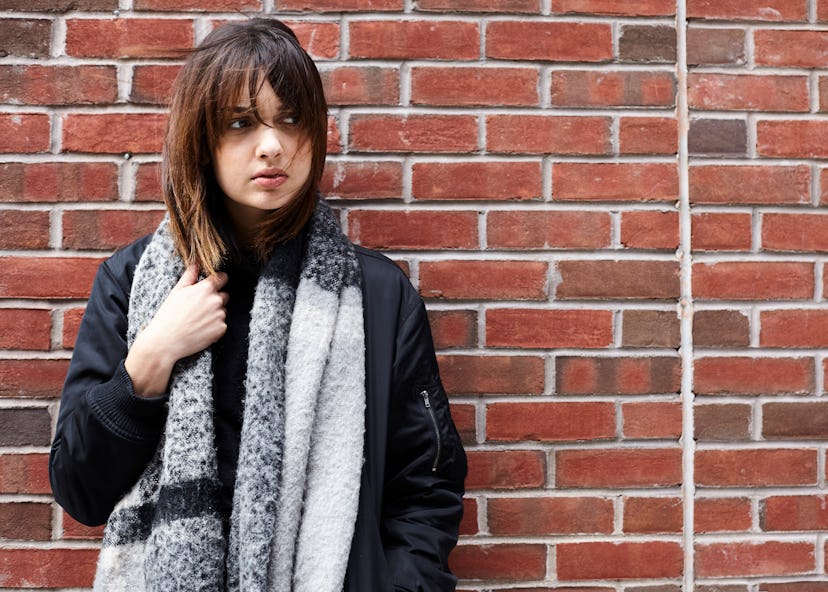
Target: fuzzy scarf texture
300,455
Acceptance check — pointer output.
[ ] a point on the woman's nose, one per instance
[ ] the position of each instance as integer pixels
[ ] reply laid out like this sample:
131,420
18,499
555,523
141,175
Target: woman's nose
268,143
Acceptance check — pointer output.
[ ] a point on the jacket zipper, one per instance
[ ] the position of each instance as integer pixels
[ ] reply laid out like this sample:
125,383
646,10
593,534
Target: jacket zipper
427,402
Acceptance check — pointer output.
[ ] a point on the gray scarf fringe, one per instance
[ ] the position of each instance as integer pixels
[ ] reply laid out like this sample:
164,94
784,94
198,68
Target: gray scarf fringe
300,457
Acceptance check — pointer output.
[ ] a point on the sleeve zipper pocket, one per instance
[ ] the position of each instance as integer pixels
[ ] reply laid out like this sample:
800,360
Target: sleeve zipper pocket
427,402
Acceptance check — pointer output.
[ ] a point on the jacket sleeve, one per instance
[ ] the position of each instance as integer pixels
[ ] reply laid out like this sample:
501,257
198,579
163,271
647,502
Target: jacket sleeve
425,467
105,434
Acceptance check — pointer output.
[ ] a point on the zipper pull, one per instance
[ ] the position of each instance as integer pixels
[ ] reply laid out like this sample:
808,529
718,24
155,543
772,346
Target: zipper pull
424,395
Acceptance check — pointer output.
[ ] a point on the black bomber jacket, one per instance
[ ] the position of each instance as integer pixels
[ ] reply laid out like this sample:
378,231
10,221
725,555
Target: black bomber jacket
412,478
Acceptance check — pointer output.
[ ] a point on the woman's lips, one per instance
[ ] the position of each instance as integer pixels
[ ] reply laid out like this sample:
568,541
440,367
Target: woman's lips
269,181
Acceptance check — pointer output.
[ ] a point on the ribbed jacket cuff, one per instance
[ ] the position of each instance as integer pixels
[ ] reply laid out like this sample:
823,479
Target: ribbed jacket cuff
117,407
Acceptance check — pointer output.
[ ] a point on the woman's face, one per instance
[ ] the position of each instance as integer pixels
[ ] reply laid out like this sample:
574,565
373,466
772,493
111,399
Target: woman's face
260,167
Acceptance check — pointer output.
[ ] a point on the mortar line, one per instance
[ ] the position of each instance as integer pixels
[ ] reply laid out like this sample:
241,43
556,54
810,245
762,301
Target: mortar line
686,299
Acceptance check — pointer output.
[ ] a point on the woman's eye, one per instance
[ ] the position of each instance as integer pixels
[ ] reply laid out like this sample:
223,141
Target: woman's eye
239,123
290,120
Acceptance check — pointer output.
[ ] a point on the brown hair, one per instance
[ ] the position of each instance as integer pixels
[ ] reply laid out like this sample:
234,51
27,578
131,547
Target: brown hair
233,59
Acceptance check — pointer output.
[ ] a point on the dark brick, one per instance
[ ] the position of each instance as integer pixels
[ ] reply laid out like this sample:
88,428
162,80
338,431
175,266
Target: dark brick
25,427
718,137
647,44
58,5
715,46
795,421
26,521
723,588
651,328
720,328
722,423
28,38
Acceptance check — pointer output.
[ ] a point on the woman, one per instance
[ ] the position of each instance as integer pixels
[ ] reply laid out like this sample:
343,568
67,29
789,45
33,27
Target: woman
253,403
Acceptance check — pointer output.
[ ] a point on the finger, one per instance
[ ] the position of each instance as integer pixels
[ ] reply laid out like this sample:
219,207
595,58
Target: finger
217,280
189,276
225,298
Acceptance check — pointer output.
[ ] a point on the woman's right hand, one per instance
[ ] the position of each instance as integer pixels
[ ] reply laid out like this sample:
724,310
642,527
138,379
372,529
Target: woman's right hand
190,319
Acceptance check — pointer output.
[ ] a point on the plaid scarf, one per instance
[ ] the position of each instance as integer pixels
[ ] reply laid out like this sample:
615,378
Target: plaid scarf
300,455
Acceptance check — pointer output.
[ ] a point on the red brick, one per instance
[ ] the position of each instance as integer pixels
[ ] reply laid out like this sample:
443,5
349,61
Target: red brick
753,280
453,328
511,6
505,469
744,92
363,179
799,49
627,88
769,10
107,229
334,137
413,133
753,376
615,7
152,84
58,85
320,39
616,561
806,586
58,6
722,422
532,134
722,515
24,473
794,232
148,182
625,467
746,184
556,515
58,181
542,229
341,5
74,530
721,232
71,323
549,41
794,512
617,376
507,180
216,5
625,279
499,280
652,515
499,561
467,86
28,38
492,374
650,328
114,132
793,139
24,229
795,421
46,277
648,135
26,521
614,181
465,419
652,420
533,328
715,46
24,132
650,230
361,85
48,568
386,229
767,558
28,329
720,328
403,40
794,328
550,422
32,378
128,38
755,467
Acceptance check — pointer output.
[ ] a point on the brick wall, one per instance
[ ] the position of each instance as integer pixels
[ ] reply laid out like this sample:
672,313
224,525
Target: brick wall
616,223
